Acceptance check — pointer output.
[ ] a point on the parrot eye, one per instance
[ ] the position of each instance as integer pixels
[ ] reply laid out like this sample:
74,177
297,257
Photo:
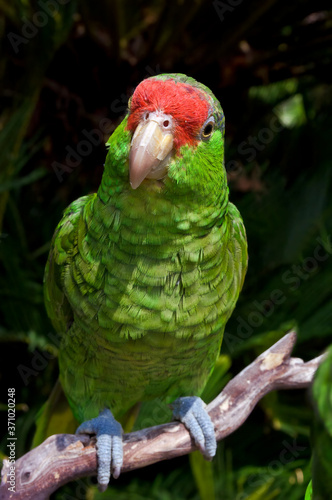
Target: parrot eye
207,128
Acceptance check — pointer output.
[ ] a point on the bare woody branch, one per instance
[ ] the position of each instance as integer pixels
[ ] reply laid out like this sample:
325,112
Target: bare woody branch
65,457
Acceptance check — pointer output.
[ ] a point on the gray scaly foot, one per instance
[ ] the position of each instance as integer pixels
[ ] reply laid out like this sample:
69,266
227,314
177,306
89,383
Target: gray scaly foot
109,445
191,412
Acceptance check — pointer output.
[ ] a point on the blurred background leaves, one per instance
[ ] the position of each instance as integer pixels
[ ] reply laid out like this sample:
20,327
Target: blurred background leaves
67,69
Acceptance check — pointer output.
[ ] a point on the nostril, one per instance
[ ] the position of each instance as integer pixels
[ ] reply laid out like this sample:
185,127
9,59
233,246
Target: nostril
166,123
147,116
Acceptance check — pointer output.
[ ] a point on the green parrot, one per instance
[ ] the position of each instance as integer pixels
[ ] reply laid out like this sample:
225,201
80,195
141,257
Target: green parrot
143,275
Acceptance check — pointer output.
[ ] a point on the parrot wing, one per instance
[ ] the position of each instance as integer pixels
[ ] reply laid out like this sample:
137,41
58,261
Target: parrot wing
63,248
55,416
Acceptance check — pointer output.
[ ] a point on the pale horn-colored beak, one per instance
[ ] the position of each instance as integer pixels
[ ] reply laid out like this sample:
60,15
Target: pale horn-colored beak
150,148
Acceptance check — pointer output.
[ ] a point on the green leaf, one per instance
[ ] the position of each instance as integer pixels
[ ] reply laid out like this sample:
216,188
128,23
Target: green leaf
308,493
203,474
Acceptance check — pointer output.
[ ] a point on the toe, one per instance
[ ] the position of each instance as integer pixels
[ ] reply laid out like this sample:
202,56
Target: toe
117,456
190,421
104,447
207,429
109,445
86,428
191,411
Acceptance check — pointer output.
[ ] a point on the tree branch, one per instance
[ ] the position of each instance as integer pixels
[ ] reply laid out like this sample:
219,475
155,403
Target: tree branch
65,457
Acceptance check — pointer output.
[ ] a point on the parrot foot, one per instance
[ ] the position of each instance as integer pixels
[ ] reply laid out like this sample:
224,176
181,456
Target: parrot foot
109,445
191,412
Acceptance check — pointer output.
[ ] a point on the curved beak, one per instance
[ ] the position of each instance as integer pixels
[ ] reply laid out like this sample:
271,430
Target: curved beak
150,148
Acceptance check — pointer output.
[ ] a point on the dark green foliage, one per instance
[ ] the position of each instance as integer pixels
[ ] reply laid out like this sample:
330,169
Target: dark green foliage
269,64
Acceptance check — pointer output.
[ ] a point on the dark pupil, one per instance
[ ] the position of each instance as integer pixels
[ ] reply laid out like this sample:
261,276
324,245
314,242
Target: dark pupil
208,129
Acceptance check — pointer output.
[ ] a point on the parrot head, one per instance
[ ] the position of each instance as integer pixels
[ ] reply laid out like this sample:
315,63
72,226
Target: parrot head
175,128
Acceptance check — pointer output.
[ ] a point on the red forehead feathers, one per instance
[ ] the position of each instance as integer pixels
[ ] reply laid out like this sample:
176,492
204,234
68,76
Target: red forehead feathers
185,103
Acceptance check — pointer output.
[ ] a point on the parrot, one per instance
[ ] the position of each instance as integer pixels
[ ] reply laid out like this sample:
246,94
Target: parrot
143,275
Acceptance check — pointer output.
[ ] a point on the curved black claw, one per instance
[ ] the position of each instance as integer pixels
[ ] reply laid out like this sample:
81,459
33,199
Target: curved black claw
191,412
109,445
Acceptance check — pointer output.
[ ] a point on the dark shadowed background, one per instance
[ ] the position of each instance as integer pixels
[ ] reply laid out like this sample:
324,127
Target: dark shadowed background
67,70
